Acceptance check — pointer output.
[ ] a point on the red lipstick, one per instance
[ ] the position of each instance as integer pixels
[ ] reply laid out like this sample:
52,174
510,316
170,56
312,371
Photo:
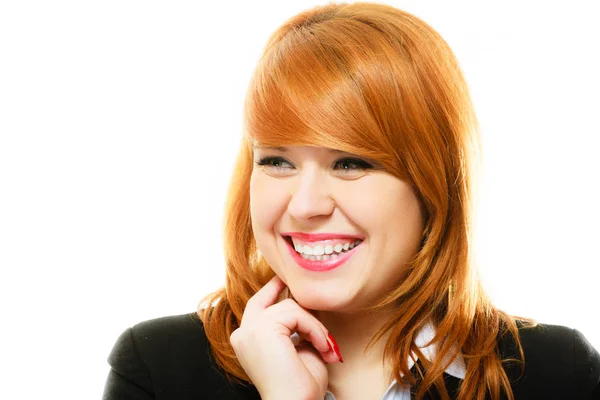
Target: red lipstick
320,265
315,237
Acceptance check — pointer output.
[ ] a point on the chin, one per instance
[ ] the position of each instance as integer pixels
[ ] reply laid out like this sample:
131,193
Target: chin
315,300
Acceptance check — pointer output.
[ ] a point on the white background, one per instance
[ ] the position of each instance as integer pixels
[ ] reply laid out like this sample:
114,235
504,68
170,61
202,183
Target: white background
119,124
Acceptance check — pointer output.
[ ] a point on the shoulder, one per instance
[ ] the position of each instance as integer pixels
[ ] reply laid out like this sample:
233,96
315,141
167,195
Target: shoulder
164,337
170,357
557,358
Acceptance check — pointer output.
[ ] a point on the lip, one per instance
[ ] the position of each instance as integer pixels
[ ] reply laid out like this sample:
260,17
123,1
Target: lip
321,266
315,237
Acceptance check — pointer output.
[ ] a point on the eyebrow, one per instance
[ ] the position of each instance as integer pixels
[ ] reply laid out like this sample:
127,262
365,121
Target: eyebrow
284,149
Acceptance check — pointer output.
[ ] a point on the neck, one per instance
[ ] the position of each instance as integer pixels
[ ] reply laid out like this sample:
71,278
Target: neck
352,332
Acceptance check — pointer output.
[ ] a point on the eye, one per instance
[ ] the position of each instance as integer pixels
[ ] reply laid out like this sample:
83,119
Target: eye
351,165
274,162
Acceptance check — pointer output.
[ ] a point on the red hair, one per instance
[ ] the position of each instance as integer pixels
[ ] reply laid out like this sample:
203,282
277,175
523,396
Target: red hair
375,81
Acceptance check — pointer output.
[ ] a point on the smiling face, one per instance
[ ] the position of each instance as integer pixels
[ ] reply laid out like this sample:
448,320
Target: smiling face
356,224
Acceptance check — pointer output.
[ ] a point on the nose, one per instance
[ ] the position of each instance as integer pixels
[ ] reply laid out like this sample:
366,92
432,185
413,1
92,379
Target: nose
310,196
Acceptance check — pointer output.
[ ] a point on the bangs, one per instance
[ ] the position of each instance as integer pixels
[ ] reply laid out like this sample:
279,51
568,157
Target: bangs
324,86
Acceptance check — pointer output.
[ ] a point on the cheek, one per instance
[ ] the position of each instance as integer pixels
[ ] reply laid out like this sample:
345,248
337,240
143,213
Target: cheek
267,200
386,208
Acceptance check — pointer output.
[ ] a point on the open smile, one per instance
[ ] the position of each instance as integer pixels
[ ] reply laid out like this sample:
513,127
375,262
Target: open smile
323,255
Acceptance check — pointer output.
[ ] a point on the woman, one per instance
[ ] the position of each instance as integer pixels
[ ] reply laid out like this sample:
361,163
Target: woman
349,217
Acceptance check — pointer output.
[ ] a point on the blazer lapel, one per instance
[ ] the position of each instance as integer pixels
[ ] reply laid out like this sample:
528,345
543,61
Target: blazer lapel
452,384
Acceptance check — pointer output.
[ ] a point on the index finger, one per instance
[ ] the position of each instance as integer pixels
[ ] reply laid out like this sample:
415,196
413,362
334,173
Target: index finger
264,298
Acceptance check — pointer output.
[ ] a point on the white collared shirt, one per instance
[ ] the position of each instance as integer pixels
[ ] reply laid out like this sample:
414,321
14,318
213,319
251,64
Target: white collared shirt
398,392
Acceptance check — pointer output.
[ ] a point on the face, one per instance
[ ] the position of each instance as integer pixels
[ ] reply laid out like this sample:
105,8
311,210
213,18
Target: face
359,224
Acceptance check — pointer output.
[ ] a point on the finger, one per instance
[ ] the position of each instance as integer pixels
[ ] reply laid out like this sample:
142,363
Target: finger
308,354
312,331
290,317
300,340
264,298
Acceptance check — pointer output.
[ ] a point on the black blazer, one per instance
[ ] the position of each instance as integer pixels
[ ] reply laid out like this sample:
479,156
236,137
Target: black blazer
169,358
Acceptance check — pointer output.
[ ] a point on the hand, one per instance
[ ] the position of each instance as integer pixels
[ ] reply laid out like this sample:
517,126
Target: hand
262,343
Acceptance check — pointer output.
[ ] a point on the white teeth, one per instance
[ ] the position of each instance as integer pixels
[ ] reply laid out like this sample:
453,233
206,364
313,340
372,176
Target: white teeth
320,258
318,250
324,250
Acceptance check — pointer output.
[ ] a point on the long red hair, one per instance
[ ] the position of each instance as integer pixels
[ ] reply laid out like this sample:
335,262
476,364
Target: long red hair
375,81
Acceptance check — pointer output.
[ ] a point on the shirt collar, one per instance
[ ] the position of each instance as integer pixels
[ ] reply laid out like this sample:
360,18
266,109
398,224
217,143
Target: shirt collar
457,368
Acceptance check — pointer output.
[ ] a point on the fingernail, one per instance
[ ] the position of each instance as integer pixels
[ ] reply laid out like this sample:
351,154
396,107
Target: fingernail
334,347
